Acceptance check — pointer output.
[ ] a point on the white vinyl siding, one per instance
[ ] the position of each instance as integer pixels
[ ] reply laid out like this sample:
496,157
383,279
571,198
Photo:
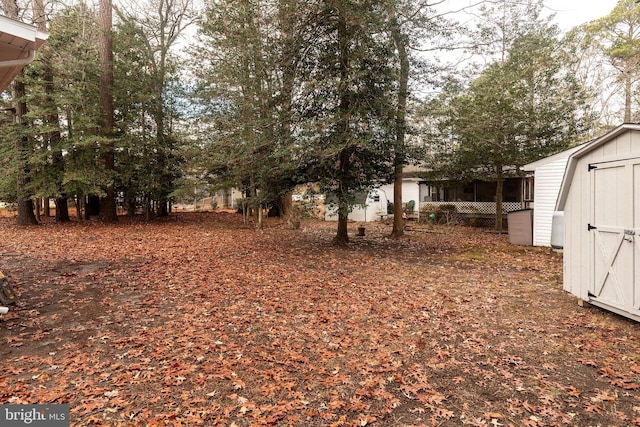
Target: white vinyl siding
548,175
548,179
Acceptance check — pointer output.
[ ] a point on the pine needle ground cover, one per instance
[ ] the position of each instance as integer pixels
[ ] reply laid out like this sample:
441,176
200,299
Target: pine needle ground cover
197,320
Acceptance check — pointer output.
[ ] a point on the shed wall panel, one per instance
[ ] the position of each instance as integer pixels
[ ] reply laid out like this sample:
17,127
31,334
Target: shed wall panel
624,144
577,238
575,226
611,149
411,191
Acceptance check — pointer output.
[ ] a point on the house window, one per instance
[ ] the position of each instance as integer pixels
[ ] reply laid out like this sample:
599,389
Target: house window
527,190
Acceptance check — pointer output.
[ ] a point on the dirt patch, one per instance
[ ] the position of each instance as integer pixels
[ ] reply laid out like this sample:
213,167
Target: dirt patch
197,320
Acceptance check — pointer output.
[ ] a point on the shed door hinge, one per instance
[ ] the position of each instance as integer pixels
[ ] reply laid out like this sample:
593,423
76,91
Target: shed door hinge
591,227
591,167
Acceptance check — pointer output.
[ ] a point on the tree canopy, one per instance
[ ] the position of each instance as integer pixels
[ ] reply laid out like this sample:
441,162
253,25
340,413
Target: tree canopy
617,35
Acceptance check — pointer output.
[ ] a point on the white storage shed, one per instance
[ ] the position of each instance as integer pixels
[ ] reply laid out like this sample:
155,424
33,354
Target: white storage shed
548,174
600,197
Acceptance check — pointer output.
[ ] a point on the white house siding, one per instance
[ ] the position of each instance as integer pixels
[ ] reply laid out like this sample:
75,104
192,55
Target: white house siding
576,200
548,174
547,184
411,191
376,207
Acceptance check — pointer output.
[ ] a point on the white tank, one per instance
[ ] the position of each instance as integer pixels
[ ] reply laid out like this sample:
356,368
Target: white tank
557,231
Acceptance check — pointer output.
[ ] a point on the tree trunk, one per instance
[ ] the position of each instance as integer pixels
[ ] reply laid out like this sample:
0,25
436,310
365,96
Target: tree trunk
25,206
401,125
342,237
628,92
108,212
163,206
80,207
62,209
245,212
108,203
36,205
148,208
286,205
499,196
131,206
259,218
398,220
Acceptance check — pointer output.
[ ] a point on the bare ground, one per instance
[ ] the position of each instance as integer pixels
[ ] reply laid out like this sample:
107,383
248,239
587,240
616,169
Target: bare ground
196,320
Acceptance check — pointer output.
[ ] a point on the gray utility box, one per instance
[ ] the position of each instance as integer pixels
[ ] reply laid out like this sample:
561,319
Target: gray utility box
520,225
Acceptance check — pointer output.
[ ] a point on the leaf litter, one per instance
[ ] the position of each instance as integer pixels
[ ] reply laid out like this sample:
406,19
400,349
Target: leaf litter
197,320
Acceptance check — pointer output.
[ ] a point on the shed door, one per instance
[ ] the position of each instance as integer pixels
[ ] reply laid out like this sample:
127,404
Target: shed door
615,229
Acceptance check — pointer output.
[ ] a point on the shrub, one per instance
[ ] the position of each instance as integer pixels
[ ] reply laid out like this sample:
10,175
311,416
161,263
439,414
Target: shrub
442,214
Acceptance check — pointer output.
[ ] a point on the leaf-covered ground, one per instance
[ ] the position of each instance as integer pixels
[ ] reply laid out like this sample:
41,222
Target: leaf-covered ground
196,320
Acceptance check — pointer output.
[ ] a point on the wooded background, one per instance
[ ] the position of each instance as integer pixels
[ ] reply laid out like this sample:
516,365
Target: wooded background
136,104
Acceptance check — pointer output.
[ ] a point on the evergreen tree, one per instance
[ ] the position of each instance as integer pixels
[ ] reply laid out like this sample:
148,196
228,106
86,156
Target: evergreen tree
299,92
148,37
347,122
52,135
108,211
523,106
21,141
248,89
74,50
411,23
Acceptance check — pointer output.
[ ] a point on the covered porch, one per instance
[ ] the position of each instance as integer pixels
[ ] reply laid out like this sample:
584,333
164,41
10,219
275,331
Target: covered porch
474,202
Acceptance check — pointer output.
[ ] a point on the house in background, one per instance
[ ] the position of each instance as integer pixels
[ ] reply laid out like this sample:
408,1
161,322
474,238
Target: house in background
475,201
547,175
226,199
369,207
375,205
470,200
600,197
18,45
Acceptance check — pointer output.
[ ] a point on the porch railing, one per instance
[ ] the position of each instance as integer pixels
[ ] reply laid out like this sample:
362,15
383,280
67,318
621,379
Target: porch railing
479,208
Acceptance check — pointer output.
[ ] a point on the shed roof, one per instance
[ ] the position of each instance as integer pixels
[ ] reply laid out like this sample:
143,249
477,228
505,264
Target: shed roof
530,167
584,150
18,44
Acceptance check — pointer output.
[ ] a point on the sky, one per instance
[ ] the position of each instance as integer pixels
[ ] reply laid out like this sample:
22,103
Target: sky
570,13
